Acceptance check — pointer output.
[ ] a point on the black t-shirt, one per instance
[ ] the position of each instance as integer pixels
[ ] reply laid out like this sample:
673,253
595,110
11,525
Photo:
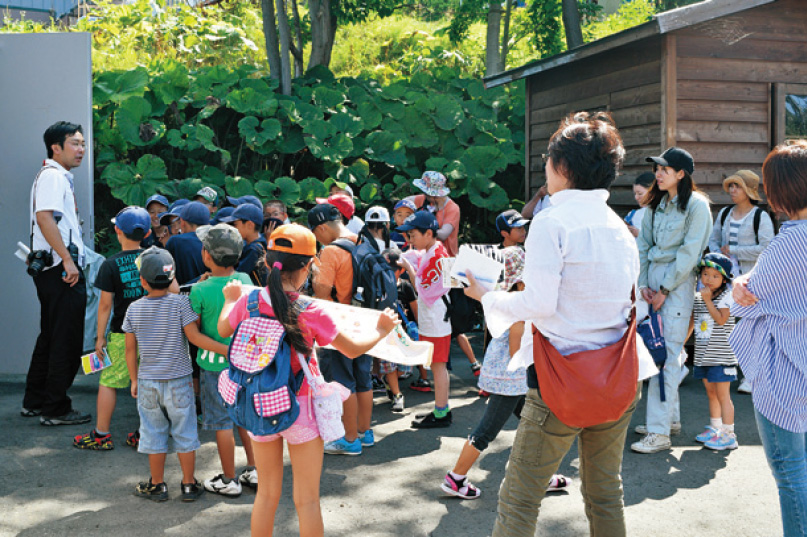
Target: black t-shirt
187,252
253,261
119,275
407,295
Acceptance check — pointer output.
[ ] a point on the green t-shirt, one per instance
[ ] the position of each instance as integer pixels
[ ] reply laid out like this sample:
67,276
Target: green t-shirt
207,300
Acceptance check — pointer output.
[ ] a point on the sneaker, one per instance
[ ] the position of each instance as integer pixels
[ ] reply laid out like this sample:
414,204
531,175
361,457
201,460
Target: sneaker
93,441
150,491
133,439
675,429
249,477
421,385
30,412
192,491
476,368
343,447
367,438
558,482
398,403
430,421
722,440
707,434
74,417
461,489
405,375
217,485
744,387
652,443
378,385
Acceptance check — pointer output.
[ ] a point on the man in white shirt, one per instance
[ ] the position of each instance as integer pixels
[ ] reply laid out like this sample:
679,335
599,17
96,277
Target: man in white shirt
60,285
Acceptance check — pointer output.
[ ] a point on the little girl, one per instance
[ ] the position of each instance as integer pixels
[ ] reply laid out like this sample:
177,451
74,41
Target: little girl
506,393
715,362
291,252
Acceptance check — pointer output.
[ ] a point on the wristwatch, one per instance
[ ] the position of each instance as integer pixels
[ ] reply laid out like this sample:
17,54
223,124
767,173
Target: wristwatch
663,290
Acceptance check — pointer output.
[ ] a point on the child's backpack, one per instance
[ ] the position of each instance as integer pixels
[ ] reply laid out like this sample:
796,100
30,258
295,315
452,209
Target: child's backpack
724,214
371,272
259,388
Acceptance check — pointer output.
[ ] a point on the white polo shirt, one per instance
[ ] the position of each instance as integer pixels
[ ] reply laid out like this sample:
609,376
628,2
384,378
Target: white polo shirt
53,191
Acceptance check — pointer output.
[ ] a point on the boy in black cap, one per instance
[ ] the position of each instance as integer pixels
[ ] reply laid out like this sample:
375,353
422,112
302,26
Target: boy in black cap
512,227
119,282
158,328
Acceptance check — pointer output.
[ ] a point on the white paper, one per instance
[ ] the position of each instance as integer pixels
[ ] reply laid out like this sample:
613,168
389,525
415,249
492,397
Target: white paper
487,271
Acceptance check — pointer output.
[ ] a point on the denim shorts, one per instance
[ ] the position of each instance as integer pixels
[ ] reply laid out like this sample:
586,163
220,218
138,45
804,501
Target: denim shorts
355,375
214,415
166,407
715,373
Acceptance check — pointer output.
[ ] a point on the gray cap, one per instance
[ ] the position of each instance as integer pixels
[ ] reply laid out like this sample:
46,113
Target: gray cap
156,265
221,241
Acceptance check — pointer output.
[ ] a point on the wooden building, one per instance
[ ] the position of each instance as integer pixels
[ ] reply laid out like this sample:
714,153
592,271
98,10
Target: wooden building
724,79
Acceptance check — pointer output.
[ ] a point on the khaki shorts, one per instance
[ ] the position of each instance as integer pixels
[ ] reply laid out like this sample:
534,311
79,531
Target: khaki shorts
116,375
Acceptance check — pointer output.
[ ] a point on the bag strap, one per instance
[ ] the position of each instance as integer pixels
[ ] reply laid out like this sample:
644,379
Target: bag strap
757,219
253,305
309,376
33,200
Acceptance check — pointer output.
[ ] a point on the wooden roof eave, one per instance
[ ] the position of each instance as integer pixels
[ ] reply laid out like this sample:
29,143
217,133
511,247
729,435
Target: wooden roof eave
666,22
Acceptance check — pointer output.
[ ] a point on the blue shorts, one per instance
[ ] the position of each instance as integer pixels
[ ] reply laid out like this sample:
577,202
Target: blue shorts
355,375
214,415
166,407
716,373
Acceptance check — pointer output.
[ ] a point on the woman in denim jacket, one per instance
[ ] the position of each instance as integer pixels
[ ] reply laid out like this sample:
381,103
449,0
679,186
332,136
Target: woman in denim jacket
675,231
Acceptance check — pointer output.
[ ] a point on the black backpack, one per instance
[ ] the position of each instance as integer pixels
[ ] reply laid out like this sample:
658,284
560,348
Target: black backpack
371,272
724,213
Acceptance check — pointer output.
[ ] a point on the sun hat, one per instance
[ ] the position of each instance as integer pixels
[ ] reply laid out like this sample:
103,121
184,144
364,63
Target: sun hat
510,219
377,214
676,158
745,179
293,239
433,184
341,201
514,257
221,241
131,218
719,262
156,265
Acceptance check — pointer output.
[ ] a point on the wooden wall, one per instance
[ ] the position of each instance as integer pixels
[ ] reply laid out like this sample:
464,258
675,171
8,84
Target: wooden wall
725,72
626,82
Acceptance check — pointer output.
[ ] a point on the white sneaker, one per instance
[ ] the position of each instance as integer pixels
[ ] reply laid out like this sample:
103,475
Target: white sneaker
398,403
744,387
652,443
249,477
218,486
675,428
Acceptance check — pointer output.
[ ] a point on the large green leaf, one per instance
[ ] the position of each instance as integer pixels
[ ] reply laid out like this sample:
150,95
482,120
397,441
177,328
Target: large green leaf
327,97
370,114
312,188
172,83
288,190
253,101
265,188
117,86
487,194
332,149
134,184
238,186
482,162
447,112
385,147
134,123
347,123
257,136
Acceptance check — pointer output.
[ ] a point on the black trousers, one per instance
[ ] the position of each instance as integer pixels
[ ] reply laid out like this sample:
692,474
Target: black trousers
57,354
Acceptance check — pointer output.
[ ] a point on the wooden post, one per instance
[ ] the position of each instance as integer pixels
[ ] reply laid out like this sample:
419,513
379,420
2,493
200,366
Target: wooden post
669,91
527,144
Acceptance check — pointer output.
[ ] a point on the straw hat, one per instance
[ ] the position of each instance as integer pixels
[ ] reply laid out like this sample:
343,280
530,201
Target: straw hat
745,179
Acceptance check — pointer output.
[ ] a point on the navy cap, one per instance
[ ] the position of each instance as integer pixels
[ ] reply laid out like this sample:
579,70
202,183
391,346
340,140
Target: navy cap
245,211
419,220
165,218
195,213
174,208
159,198
676,158
224,212
510,219
253,200
132,218
322,213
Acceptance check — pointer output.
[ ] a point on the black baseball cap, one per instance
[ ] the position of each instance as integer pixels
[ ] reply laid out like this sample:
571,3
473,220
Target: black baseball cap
676,158
322,213
156,265
510,219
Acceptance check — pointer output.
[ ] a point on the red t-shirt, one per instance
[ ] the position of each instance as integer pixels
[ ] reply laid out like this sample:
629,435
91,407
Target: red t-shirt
315,324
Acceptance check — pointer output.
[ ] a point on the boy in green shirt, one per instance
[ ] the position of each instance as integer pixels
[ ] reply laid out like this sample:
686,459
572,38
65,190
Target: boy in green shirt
221,248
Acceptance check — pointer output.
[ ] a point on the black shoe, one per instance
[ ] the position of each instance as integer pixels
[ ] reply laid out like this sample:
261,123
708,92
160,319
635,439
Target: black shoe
74,417
430,421
191,491
150,491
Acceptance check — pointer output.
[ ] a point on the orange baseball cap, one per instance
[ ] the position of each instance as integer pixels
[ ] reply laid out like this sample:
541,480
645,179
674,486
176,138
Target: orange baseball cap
293,239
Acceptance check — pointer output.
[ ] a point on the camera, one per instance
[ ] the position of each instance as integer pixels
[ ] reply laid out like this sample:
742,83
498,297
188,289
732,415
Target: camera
39,260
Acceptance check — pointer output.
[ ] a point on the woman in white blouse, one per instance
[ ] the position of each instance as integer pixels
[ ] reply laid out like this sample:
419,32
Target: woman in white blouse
582,263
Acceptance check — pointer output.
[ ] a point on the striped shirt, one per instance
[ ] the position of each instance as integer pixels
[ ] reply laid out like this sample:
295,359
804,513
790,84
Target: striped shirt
770,340
711,339
158,325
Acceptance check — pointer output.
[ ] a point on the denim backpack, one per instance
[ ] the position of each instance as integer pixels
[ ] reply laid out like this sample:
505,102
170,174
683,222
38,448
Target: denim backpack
259,388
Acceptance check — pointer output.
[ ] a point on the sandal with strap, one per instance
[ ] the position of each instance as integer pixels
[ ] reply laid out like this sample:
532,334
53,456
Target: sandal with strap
558,482
461,489
133,439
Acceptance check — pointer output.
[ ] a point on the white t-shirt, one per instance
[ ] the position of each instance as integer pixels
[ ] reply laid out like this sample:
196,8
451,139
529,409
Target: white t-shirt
54,192
431,319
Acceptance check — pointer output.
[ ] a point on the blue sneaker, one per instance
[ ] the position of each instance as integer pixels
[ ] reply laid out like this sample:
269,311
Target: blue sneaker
707,434
367,439
722,441
343,447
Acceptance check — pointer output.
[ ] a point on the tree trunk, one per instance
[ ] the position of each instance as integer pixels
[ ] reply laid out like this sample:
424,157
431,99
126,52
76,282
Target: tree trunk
493,61
571,23
270,38
323,32
285,45
506,34
298,40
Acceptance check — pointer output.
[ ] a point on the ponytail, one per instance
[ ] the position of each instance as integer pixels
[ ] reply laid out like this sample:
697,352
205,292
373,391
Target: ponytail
286,311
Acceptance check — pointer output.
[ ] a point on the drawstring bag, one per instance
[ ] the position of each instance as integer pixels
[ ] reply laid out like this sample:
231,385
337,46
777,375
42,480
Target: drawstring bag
652,332
326,399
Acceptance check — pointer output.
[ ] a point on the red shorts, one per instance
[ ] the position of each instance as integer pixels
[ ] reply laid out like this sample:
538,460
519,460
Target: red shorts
442,347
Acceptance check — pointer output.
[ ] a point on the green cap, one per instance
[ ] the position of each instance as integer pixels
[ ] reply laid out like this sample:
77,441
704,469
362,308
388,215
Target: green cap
223,242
